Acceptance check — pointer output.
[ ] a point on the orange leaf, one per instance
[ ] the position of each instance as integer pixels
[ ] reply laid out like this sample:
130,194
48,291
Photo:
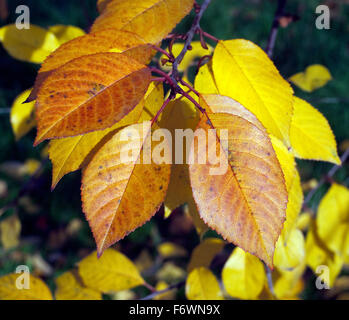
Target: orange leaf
106,40
88,94
247,203
151,19
119,196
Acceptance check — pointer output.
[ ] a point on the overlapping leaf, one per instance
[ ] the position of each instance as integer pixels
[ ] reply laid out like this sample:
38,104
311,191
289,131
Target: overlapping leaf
230,202
115,192
89,93
70,154
150,19
244,72
108,40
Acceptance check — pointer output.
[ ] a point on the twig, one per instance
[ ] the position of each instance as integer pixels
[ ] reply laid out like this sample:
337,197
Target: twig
189,38
275,27
157,293
269,279
5,110
326,178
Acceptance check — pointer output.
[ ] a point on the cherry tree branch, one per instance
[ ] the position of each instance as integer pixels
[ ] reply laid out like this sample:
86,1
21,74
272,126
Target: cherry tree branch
189,37
275,27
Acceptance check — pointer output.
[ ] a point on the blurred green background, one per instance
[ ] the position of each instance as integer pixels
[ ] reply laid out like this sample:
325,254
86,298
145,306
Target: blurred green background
46,216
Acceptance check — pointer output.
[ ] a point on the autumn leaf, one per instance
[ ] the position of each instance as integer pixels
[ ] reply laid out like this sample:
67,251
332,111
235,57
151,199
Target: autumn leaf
293,185
244,72
65,33
70,154
205,252
318,254
22,115
311,135
37,288
108,40
230,202
291,253
333,219
243,275
30,45
170,250
69,288
205,83
95,92
202,284
152,20
115,192
111,272
314,77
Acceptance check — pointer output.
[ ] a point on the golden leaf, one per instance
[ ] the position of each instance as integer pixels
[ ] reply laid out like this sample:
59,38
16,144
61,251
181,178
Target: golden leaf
94,92
246,203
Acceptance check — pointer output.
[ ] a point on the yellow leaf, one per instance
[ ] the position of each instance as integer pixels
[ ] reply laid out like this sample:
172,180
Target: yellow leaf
244,72
113,271
10,230
30,45
293,185
115,187
333,219
311,135
288,284
170,250
318,254
243,275
66,33
37,288
151,19
202,284
204,253
291,253
197,51
22,115
247,174
303,221
179,114
69,288
205,83
315,76
106,87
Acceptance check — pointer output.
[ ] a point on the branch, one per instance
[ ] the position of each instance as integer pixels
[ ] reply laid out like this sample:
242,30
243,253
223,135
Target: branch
157,293
189,38
324,179
275,27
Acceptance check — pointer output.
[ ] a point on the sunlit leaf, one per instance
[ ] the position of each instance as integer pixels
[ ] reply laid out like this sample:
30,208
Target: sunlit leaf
95,92
202,284
311,135
30,45
111,272
151,19
229,195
